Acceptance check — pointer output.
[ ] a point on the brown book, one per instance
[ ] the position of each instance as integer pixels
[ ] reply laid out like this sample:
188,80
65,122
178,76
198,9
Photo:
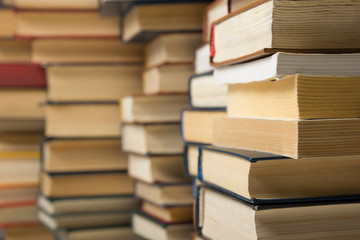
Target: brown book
82,82
65,24
109,50
86,184
144,21
292,138
7,29
57,4
83,155
268,26
15,51
72,119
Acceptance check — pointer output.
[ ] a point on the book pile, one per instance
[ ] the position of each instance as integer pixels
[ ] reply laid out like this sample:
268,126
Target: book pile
86,192
151,120
22,90
284,161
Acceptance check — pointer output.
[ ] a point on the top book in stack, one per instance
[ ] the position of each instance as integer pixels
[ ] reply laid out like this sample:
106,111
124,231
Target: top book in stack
267,26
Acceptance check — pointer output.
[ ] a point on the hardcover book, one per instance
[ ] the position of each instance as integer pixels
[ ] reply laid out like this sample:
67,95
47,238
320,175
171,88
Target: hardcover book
267,26
152,139
56,4
14,51
165,194
167,78
152,108
333,219
152,229
89,82
144,22
82,119
86,184
157,169
259,177
110,233
172,48
85,51
81,155
65,24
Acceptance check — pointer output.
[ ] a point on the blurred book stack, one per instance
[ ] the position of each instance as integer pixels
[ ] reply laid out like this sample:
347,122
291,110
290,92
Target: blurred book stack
22,91
282,163
151,120
85,190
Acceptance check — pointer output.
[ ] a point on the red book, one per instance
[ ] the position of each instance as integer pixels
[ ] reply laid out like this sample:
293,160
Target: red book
22,75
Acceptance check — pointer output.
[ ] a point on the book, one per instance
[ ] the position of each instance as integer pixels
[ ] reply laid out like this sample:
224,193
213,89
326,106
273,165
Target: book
168,78
172,48
79,82
63,206
235,5
295,26
205,94
214,11
291,138
84,220
18,143
85,51
19,214
173,214
56,4
82,119
22,171
202,59
191,159
65,24
282,64
81,155
197,125
16,195
121,7
296,97
22,103
152,108
259,177
37,232
164,194
149,228
22,75
17,126
157,169
152,139
97,233
333,220
14,51
144,22
86,184
7,30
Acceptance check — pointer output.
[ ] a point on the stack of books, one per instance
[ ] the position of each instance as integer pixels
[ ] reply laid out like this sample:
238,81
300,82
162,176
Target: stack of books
86,192
284,162
22,90
151,120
